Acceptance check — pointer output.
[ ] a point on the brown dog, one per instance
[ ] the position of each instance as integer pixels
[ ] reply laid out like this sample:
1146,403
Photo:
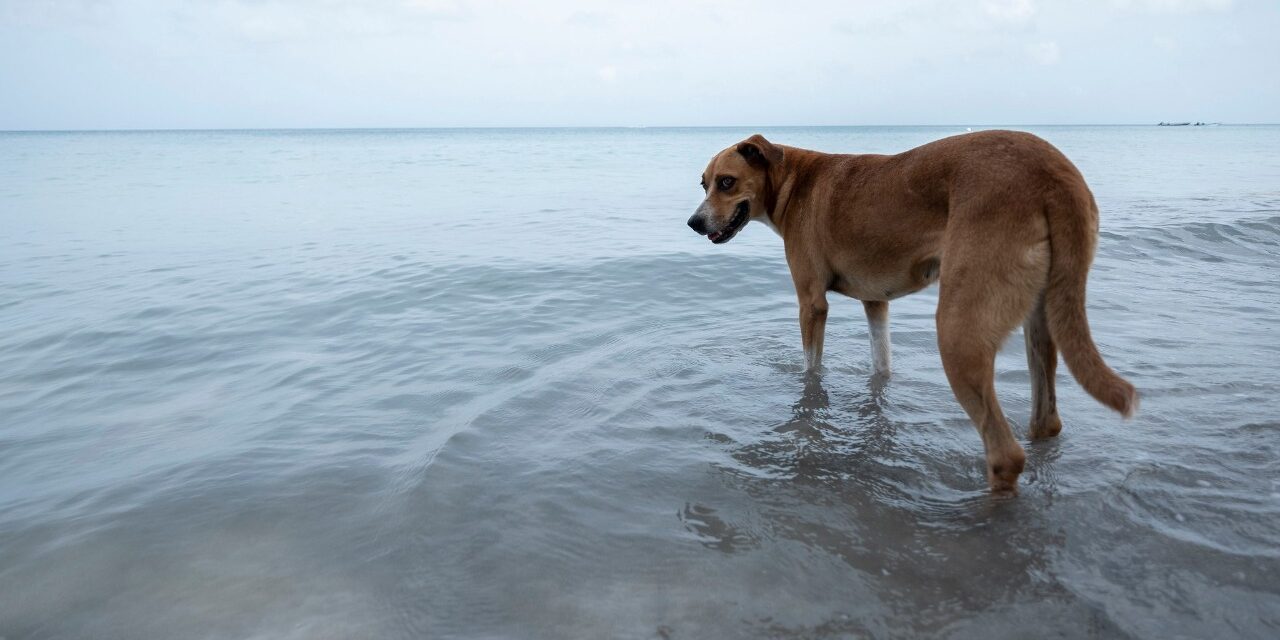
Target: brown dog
1002,219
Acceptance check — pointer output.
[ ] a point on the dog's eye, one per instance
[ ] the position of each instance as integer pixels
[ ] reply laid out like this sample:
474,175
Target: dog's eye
726,183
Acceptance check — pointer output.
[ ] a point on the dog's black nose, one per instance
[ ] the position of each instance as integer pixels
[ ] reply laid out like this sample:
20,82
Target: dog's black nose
698,224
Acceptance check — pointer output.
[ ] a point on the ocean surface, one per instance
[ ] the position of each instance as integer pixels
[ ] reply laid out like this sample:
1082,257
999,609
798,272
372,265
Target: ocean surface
487,384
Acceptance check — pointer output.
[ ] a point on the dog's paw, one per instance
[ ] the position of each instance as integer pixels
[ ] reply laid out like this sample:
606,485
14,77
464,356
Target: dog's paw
1044,428
1003,471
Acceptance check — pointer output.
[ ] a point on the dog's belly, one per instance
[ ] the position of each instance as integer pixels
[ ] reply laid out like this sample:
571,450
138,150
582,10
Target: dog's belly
898,280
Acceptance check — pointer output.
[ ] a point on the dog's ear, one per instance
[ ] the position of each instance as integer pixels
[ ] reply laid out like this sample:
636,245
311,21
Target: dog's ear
760,153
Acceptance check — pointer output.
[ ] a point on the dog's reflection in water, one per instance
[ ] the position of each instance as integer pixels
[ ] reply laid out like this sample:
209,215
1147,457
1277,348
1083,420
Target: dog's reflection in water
814,403
822,443
812,447
809,414
714,532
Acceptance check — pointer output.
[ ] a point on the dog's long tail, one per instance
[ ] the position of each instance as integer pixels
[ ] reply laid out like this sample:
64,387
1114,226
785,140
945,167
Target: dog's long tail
1073,237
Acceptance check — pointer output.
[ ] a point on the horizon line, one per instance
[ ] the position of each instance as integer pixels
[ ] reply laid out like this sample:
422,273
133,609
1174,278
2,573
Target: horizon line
615,127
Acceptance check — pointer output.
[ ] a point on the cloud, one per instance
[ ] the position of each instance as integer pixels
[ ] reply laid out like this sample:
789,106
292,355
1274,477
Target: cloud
1174,6
1009,11
438,9
591,19
1046,52
144,63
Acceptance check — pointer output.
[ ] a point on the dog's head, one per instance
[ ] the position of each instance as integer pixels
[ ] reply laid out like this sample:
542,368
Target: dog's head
738,188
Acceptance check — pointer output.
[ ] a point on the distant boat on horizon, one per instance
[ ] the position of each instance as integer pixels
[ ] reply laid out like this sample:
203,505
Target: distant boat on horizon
1185,124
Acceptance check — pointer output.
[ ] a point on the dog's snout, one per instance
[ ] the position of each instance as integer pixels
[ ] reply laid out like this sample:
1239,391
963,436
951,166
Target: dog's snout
698,223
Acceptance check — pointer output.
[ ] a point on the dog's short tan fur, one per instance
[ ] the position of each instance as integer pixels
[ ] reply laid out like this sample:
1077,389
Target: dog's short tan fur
1001,219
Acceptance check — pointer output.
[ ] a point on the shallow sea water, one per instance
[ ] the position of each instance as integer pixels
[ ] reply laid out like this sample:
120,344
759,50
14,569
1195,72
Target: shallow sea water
486,384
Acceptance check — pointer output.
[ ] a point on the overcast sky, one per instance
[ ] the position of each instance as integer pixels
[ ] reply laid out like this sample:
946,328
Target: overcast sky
90,64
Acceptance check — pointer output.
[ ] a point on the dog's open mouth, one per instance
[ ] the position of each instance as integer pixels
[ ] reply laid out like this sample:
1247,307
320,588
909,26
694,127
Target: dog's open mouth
739,218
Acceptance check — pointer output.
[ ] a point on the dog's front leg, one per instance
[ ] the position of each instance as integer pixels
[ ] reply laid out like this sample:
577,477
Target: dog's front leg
878,326
813,325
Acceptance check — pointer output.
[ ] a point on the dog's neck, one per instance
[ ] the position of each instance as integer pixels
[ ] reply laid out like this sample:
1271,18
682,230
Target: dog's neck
789,185
776,203
780,184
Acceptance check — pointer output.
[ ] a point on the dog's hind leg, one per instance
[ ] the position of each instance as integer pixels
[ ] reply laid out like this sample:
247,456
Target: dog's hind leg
984,294
968,338
1042,362
970,367
878,327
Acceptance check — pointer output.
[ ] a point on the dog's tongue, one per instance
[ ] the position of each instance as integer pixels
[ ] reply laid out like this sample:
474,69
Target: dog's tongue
713,236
